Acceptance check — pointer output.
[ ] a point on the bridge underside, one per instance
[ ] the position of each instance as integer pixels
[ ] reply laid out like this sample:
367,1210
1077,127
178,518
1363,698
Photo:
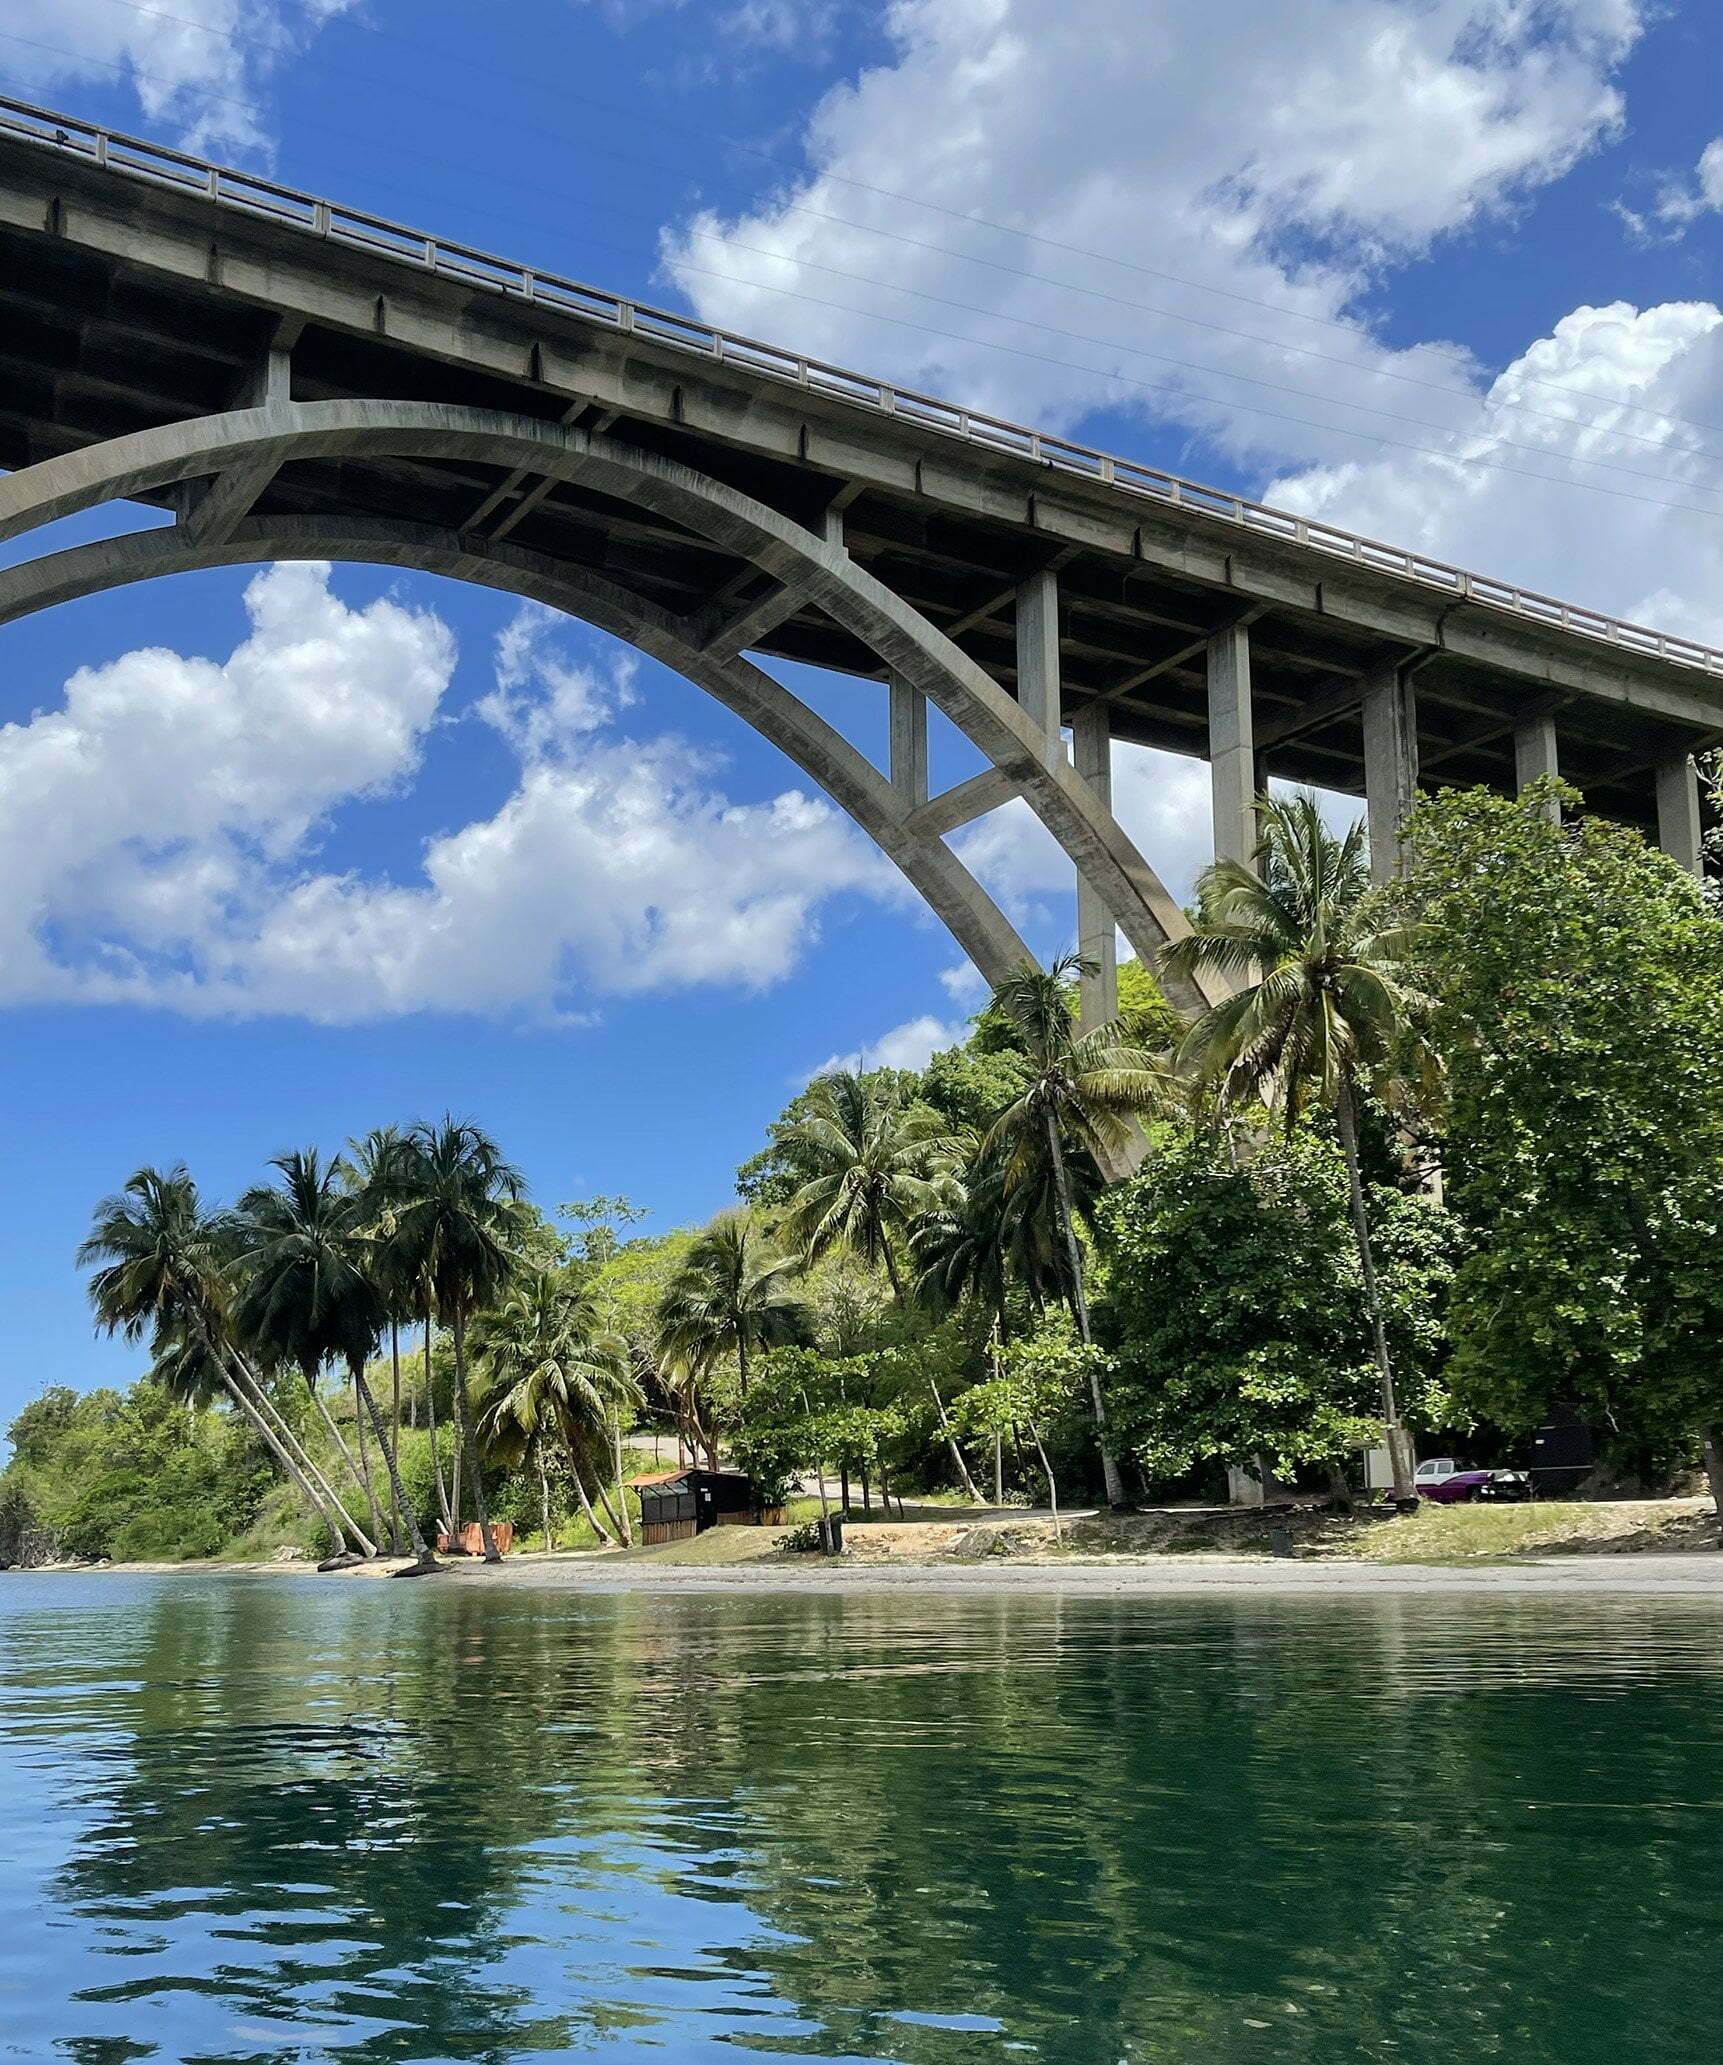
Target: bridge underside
89,350
140,322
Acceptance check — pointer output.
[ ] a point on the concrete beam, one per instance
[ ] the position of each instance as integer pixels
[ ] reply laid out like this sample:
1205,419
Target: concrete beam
1390,765
963,803
1231,744
732,630
1097,933
213,511
1038,657
908,743
1678,826
1535,755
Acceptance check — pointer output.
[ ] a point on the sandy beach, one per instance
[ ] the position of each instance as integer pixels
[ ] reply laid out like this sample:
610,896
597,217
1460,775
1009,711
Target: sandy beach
1694,1574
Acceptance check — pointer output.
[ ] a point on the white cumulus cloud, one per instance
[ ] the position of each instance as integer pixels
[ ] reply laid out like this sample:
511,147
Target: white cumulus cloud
197,66
1166,171
910,1045
159,834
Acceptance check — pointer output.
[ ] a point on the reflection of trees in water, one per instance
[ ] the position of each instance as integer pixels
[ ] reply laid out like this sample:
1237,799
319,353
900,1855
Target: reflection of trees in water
1119,1830
1150,1828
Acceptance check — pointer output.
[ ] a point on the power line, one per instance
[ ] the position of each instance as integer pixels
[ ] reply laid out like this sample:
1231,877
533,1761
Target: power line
673,125
1172,389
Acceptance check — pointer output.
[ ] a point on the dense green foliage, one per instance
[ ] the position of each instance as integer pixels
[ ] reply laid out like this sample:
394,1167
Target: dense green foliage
1578,983
1061,1261
1234,1309
132,1475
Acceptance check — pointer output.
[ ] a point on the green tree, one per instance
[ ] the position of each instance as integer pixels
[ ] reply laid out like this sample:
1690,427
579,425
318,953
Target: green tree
547,1367
460,1222
161,1272
373,1163
1578,982
309,1296
732,1296
1235,1314
863,1160
1321,1001
1081,1092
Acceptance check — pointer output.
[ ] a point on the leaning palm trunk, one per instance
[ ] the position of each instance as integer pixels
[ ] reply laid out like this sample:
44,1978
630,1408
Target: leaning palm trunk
469,1444
1047,1472
386,1523
600,1531
1399,1448
395,1402
423,1559
1110,1478
975,1498
359,1476
610,1511
543,1499
445,1517
624,1522
261,1411
283,1448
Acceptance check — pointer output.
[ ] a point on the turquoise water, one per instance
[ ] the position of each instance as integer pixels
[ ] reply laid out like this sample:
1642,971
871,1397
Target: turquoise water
290,1820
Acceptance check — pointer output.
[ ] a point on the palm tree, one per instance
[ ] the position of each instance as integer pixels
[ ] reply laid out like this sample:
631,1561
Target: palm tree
731,1296
1320,998
164,1272
546,1366
307,1296
458,1221
373,1166
864,1159
1082,1093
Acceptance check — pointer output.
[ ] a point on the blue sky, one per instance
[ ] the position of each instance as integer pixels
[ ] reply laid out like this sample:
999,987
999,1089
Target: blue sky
296,853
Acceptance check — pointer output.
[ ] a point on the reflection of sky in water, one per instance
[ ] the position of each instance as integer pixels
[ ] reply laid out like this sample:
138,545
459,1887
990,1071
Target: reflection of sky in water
283,1821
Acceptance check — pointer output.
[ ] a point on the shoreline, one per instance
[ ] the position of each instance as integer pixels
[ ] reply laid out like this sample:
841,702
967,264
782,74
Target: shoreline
1690,1574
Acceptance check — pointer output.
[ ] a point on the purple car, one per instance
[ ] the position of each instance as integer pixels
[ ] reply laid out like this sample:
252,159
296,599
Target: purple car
1448,1483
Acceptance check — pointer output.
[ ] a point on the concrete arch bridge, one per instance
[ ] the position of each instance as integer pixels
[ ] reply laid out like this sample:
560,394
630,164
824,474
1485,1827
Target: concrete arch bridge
292,379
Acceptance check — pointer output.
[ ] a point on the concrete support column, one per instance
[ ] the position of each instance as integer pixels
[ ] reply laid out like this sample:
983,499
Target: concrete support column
1390,765
1231,744
908,743
1678,827
1535,755
1097,934
1038,656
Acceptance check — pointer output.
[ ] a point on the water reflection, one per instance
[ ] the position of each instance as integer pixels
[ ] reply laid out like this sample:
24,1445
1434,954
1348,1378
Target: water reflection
288,1821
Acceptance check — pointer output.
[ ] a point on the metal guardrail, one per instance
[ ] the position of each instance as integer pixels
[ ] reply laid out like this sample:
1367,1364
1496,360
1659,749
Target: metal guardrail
133,158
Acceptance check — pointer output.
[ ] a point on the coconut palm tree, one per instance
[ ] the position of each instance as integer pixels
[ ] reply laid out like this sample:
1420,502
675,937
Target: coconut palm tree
307,1296
458,1220
164,1273
865,1163
1082,1093
373,1165
546,1366
730,1297
1320,1000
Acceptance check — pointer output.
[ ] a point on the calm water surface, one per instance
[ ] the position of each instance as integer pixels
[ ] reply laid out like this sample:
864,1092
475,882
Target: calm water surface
284,1820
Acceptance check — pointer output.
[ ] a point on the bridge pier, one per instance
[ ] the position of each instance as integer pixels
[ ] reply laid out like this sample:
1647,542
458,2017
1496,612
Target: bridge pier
1097,931
1679,831
908,743
1390,764
1535,755
1232,744
1038,682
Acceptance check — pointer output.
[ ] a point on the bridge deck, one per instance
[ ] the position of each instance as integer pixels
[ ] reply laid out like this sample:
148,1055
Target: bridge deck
140,287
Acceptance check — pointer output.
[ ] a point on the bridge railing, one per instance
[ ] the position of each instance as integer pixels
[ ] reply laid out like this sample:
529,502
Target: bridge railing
134,158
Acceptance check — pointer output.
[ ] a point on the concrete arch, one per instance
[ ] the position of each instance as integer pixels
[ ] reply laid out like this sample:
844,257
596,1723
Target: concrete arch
980,928
248,445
